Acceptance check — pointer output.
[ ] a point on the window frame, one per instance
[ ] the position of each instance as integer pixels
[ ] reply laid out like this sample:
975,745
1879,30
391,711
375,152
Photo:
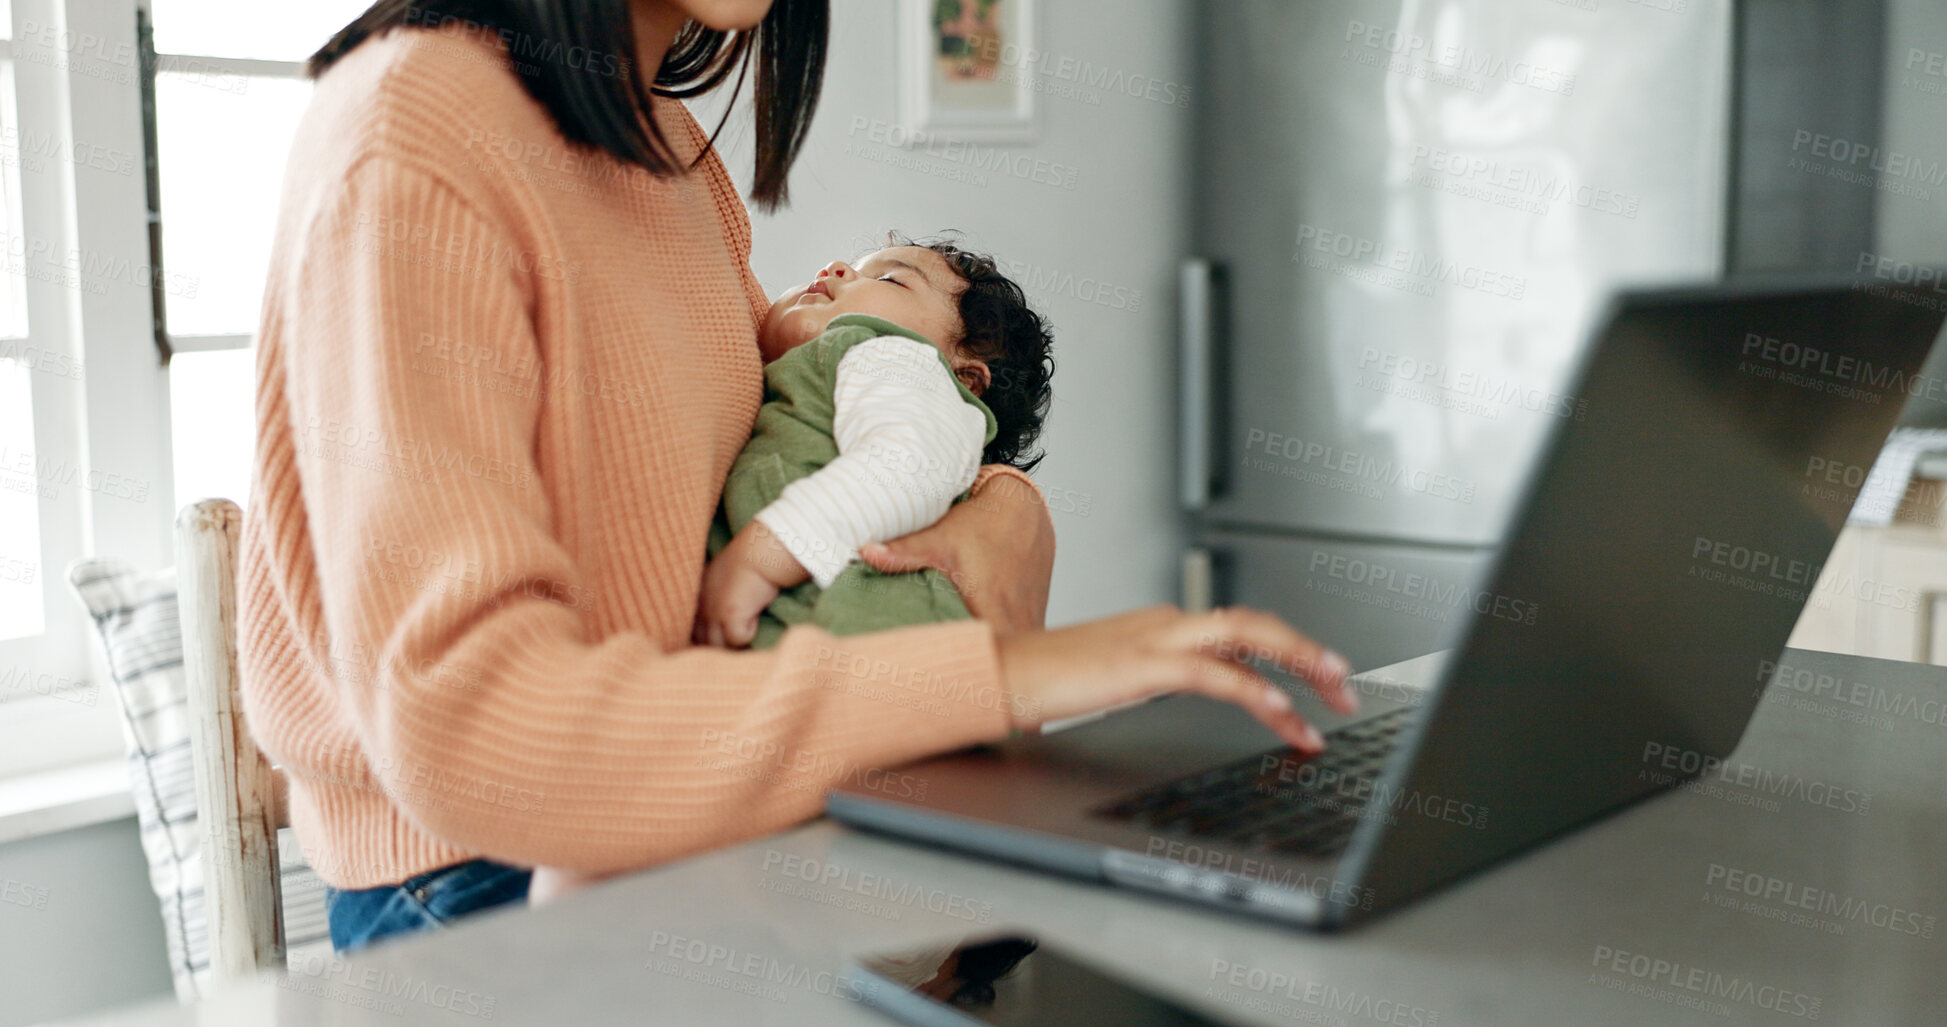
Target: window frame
114,416
247,67
76,80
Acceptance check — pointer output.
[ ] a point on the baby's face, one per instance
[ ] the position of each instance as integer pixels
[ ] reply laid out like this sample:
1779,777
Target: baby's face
911,286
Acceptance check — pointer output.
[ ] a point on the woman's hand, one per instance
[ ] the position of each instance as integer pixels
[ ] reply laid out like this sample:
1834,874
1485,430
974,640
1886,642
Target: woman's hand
1071,671
997,547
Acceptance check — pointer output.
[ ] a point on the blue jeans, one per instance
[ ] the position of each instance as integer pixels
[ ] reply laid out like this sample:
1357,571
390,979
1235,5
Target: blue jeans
365,915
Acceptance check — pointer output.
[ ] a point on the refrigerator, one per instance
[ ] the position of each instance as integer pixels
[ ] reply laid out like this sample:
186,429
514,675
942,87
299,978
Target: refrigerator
1407,217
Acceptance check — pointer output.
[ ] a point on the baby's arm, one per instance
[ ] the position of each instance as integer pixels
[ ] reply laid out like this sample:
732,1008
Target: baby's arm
907,445
740,582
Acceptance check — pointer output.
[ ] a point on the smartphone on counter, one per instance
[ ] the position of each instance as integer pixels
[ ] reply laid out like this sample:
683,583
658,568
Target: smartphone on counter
1005,979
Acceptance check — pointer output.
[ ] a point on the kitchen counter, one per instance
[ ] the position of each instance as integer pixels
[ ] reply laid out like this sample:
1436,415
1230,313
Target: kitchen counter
1799,883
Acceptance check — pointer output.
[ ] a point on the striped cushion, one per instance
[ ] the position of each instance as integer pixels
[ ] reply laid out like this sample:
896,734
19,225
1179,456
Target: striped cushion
136,616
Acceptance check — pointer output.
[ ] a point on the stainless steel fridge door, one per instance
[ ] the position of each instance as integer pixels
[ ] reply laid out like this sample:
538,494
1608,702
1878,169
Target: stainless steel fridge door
1418,206
1378,604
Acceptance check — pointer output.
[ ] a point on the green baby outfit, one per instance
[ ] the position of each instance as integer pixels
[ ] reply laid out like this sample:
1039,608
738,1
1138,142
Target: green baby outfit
794,438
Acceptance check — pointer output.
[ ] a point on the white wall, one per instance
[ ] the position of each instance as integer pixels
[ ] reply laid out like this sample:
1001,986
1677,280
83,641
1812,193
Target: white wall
1111,241
91,935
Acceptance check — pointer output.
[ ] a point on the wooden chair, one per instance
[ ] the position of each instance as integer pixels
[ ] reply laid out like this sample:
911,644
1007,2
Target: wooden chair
238,796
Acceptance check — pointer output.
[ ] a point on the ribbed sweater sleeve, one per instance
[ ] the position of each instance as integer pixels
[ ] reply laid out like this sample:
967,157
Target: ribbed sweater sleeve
433,527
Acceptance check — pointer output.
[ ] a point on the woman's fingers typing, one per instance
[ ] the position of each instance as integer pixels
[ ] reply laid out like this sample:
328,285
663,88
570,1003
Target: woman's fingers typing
1077,670
1244,636
1229,682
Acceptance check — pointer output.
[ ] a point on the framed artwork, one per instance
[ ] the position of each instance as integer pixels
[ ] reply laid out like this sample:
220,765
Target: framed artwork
967,69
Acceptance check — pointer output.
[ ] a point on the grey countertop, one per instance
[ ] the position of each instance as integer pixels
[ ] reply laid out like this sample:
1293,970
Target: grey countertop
1801,883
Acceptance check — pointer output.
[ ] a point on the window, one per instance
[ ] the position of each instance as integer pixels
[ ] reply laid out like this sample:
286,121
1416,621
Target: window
21,604
57,160
212,423
84,394
21,609
229,91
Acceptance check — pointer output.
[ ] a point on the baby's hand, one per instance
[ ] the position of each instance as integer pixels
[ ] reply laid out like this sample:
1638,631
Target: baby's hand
743,579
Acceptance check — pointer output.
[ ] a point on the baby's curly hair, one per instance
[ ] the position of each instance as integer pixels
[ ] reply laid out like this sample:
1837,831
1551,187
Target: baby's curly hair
1000,329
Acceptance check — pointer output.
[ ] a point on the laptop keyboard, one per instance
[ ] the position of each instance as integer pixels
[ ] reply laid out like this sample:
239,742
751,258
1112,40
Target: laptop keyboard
1280,799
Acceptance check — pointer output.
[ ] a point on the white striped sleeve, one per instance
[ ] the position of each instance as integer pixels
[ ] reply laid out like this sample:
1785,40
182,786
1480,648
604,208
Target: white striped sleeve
907,444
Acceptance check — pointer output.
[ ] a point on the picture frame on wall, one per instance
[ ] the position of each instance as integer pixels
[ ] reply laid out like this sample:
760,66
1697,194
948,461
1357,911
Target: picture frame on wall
967,70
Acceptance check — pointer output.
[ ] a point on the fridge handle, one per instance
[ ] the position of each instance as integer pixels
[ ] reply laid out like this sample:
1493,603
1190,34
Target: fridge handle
1205,574
1196,381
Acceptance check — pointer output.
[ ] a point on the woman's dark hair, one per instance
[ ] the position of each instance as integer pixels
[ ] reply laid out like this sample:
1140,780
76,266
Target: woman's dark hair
1001,330
578,59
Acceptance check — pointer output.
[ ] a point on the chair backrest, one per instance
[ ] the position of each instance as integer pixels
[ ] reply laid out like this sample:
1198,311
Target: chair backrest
236,789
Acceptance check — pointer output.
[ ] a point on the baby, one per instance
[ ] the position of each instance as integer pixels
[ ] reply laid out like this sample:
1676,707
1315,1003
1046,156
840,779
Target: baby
886,385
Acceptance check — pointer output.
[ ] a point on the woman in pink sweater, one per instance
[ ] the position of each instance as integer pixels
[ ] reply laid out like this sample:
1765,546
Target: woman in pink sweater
508,352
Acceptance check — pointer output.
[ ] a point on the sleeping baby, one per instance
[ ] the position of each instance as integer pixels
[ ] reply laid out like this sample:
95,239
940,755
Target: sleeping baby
886,385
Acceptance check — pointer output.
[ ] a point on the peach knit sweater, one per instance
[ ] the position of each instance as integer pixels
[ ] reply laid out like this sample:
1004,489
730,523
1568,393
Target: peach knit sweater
500,382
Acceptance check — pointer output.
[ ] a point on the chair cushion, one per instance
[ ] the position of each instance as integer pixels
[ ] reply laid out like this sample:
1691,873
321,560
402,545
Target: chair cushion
135,615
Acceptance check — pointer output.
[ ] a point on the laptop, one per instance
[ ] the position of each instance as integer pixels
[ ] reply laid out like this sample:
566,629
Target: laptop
1648,578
